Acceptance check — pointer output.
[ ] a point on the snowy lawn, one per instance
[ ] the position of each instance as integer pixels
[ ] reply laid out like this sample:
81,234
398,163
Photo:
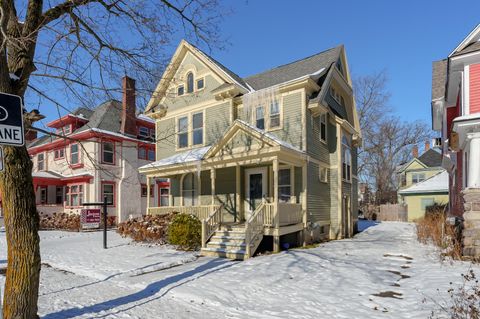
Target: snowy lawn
381,273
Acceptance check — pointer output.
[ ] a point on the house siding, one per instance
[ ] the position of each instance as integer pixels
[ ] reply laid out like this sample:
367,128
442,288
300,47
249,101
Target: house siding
474,88
318,196
217,121
166,138
315,147
291,130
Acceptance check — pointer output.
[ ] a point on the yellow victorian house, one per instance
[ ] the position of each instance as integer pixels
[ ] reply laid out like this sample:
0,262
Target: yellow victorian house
268,158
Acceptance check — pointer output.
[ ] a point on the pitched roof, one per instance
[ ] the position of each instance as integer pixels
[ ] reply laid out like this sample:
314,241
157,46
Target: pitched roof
432,157
294,70
472,47
439,78
438,183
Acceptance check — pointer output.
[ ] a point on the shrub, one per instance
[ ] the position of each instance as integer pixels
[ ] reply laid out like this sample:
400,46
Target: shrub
185,232
434,229
150,228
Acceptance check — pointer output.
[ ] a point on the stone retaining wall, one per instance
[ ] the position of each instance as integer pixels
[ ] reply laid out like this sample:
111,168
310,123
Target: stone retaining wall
471,232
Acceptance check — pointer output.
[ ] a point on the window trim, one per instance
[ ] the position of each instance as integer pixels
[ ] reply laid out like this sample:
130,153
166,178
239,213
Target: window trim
320,122
160,195
69,202
190,90
320,168
56,195
140,127
196,129
55,158
346,146
256,118
196,191
266,116
280,119
177,89
189,131
114,184
113,152
292,173
79,162
43,161
143,187
43,187
418,180
196,84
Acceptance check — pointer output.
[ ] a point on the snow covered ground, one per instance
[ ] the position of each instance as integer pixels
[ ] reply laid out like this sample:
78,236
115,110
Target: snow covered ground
381,273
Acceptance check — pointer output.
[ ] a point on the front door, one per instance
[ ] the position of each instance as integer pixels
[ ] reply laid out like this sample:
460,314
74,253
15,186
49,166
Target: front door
255,188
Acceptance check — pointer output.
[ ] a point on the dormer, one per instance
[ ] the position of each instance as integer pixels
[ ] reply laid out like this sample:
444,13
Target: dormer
68,123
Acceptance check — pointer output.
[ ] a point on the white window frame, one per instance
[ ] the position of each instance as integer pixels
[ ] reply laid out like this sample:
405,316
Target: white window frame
279,114
189,130
323,120
196,83
194,190
346,160
185,131
416,178
183,90
256,118
42,161
198,129
323,174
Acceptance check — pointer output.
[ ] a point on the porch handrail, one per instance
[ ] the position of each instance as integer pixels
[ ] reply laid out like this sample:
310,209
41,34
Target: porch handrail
211,224
254,227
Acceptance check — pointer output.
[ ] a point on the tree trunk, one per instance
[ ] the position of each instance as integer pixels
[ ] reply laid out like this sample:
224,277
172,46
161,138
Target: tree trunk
21,224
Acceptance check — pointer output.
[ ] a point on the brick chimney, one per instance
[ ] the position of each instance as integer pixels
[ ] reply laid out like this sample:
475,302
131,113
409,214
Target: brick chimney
129,125
427,146
415,151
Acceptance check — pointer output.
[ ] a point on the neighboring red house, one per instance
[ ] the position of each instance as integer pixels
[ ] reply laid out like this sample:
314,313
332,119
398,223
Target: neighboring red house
101,156
456,114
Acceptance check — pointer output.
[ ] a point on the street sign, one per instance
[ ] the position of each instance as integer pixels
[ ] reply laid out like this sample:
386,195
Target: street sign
90,218
11,120
1,159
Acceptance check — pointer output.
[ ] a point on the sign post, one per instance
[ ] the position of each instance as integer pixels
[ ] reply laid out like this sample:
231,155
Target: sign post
95,212
11,120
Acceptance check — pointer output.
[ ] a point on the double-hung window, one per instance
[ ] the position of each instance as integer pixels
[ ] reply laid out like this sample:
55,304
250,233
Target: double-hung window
189,189
346,160
323,127
284,185
197,126
108,190
74,195
59,195
108,153
59,153
182,133
418,177
274,115
74,154
144,131
259,117
164,196
41,161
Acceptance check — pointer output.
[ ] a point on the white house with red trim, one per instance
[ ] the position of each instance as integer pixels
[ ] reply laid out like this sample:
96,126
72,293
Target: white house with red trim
456,115
99,156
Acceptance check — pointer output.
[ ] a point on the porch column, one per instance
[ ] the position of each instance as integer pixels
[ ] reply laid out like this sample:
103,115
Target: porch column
148,193
276,238
213,176
304,201
474,162
238,204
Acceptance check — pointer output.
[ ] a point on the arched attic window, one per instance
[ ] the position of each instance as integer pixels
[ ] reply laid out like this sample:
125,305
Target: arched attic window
190,82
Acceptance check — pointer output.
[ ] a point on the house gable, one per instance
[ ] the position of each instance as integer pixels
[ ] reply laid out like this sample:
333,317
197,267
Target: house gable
188,58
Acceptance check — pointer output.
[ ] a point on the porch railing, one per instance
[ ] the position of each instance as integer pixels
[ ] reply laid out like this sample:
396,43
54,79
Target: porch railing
211,224
202,212
287,214
254,228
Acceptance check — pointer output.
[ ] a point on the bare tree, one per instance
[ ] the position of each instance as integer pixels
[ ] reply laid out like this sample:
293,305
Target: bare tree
80,47
387,139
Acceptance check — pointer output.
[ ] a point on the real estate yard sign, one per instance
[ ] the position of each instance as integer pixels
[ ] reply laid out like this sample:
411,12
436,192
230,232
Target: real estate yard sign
90,218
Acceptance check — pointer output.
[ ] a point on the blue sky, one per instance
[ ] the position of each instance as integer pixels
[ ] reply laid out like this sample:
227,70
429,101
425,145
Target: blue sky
401,37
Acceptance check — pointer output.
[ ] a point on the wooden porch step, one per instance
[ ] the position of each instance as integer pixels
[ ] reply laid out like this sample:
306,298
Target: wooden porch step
227,245
228,238
230,233
224,253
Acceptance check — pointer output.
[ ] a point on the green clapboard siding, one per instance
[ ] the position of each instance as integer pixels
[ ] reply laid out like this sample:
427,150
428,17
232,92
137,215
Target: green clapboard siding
291,131
315,147
318,197
165,136
225,190
217,121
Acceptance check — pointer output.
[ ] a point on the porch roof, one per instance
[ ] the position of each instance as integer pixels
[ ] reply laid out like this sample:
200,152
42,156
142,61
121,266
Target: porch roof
54,178
198,154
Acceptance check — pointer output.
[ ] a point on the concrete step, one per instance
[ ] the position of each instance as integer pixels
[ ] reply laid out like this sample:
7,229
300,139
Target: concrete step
223,253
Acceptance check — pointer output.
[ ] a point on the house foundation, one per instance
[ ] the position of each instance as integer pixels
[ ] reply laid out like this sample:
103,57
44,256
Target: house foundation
471,232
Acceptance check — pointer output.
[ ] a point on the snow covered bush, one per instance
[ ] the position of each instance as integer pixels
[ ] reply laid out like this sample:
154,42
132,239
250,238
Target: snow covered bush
150,228
185,232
